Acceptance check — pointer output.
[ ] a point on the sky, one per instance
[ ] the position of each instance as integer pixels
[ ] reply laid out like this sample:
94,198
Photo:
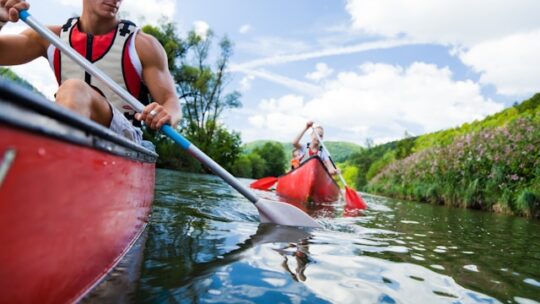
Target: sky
362,69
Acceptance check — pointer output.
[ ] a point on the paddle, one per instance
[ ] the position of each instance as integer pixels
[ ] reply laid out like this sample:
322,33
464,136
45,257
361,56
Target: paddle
352,199
269,212
264,183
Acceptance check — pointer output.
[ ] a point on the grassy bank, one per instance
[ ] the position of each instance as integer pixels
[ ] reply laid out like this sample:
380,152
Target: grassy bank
496,169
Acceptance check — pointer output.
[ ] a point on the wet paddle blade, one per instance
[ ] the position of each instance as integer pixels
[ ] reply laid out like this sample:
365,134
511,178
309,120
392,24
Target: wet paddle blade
264,183
353,200
284,214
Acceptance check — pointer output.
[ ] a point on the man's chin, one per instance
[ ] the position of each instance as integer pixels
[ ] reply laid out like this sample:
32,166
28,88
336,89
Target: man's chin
108,14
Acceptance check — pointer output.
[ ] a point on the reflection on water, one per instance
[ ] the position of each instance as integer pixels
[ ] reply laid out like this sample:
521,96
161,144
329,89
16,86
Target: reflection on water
206,245
301,257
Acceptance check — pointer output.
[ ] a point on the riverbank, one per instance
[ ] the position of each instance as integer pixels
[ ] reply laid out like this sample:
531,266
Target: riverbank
495,170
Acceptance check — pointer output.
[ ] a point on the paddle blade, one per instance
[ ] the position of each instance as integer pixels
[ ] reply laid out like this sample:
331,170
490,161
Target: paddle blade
353,200
264,183
284,214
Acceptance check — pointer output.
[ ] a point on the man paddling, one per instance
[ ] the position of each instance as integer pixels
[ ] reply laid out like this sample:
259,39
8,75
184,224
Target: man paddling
314,147
133,59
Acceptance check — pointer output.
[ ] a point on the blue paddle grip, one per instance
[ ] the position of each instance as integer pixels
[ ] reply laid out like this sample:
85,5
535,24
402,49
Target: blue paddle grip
24,15
175,136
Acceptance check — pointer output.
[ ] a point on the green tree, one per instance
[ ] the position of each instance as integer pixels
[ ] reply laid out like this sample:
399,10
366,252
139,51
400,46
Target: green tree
274,156
258,165
242,166
405,146
378,165
201,88
224,146
350,174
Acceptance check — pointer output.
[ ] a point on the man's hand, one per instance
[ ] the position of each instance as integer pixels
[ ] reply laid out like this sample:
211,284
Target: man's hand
333,171
9,9
155,116
309,124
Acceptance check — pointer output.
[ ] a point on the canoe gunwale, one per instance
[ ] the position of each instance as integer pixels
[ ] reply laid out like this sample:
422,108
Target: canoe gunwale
26,110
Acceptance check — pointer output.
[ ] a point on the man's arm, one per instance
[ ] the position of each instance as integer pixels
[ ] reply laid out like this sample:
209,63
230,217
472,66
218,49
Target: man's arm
23,47
296,141
158,79
330,167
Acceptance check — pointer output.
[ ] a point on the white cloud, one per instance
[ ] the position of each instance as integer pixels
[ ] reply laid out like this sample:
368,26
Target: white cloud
149,10
141,11
77,4
359,104
447,22
257,121
201,28
292,56
322,71
245,83
282,119
500,37
244,29
300,86
271,46
512,63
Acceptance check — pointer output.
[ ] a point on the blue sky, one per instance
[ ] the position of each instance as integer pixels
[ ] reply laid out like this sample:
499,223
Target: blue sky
363,69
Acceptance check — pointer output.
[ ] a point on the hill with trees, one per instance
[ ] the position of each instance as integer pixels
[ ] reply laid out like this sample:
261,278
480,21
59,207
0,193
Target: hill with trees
340,150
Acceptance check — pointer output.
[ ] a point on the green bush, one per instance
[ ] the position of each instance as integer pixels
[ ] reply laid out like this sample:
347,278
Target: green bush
380,164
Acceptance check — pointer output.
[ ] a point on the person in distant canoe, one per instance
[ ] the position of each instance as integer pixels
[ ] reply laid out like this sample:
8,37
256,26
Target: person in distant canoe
133,59
296,158
314,147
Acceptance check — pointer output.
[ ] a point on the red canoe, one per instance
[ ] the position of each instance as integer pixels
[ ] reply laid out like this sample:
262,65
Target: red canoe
309,182
74,197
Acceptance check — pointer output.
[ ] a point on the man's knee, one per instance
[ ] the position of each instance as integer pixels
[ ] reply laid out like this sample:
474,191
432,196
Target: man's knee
74,93
81,98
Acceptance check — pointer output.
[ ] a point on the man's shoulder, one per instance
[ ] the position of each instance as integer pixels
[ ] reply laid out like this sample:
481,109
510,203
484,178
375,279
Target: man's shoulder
147,40
147,45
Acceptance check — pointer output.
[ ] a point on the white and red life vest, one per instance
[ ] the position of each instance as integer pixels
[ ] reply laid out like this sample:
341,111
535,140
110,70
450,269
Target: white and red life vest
312,153
309,153
114,53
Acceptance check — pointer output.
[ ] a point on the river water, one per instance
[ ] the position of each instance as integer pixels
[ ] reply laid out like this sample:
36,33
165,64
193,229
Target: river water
205,245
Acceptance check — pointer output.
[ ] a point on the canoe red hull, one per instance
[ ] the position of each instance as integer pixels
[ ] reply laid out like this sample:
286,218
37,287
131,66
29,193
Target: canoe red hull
309,182
67,214
74,198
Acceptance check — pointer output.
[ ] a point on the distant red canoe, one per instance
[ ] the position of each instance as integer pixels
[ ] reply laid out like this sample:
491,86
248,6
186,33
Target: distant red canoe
74,197
309,182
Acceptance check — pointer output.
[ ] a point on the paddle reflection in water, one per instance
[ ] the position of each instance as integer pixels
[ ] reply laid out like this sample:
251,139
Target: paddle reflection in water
266,233
301,255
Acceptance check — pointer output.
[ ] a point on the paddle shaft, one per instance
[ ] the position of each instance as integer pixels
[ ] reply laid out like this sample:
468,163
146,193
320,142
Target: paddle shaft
330,156
133,102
